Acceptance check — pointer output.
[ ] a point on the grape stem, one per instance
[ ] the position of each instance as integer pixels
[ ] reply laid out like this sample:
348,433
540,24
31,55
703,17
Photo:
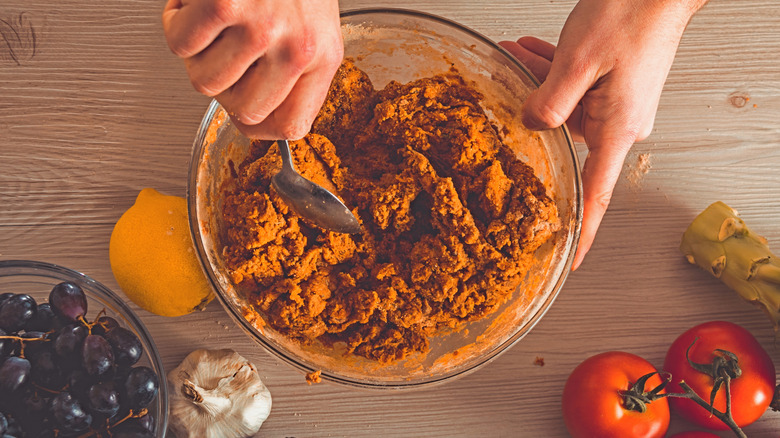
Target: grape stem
131,414
90,325
51,391
22,341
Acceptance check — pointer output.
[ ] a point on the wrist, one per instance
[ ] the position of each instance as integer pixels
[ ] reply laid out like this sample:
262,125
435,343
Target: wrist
684,9
674,15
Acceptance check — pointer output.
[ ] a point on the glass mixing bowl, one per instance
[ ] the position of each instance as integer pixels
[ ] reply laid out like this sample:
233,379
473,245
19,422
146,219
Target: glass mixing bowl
37,279
403,45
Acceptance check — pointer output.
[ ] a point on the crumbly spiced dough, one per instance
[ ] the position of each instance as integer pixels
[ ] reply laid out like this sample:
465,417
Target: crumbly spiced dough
451,219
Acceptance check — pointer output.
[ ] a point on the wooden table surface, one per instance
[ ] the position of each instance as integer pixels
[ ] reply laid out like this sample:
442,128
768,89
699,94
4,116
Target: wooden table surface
93,108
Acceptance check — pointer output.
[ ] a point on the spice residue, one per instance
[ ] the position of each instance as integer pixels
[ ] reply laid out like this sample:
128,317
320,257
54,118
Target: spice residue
451,219
314,377
638,170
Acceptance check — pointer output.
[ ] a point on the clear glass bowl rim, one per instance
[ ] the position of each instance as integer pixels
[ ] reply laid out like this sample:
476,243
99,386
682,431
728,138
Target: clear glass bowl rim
30,268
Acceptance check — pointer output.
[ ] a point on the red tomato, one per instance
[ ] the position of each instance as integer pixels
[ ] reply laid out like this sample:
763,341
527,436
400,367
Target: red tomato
594,407
751,393
694,434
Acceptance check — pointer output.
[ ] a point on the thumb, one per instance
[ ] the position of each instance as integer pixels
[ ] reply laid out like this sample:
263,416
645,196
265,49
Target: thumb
600,173
552,104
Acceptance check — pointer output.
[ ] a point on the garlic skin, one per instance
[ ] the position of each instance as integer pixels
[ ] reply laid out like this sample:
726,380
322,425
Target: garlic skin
216,394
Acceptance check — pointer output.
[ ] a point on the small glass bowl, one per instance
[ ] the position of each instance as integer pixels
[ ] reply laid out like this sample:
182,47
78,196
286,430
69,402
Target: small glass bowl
38,278
402,45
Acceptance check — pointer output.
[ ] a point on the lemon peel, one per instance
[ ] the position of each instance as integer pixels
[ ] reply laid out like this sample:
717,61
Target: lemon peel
153,258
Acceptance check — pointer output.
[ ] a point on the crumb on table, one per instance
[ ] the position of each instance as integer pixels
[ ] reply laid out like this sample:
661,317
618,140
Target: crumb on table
313,377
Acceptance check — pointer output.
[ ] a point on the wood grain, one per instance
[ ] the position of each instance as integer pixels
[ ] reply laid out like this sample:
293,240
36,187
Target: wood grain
95,108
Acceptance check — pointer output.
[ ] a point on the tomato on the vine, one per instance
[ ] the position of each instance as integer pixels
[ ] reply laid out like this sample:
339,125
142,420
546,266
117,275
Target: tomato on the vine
751,392
595,398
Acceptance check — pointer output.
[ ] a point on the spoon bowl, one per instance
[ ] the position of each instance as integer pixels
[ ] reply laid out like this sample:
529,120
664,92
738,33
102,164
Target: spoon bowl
309,200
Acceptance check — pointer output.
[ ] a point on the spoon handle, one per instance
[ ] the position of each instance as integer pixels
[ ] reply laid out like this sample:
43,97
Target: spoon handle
284,151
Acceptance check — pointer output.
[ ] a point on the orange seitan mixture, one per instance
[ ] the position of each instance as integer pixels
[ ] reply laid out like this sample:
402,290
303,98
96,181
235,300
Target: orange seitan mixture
451,219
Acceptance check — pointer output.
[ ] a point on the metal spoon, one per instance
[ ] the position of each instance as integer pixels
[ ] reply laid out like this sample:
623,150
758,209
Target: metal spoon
309,200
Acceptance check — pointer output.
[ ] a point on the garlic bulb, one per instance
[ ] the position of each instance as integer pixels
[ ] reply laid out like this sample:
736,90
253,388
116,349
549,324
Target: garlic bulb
217,394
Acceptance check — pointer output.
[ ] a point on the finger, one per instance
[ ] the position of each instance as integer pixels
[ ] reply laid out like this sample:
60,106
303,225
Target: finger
555,100
599,176
190,28
293,118
172,4
538,61
225,61
538,65
574,123
540,47
263,87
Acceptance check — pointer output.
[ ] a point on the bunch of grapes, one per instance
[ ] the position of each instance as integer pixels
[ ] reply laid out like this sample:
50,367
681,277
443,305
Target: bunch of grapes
64,376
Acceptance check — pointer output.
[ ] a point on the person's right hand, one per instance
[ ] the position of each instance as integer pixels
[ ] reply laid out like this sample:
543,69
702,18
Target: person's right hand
269,63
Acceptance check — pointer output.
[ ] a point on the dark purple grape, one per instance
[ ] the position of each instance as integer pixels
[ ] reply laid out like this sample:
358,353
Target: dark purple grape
35,404
5,296
34,411
104,324
78,382
69,414
97,357
37,341
68,301
49,432
103,398
44,319
14,428
14,373
3,424
8,404
120,376
146,421
127,347
6,345
70,341
46,371
140,388
16,311
130,430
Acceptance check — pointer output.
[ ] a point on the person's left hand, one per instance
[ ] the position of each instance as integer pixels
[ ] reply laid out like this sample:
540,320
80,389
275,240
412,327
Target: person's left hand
604,80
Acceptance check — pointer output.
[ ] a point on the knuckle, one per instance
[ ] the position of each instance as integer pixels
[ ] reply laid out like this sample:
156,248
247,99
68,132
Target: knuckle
177,49
248,115
259,39
223,11
644,131
178,44
206,86
631,132
303,50
600,200
549,117
295,129
333,56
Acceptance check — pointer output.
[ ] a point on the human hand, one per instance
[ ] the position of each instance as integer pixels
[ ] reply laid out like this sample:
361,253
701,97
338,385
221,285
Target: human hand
269,63
604,80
